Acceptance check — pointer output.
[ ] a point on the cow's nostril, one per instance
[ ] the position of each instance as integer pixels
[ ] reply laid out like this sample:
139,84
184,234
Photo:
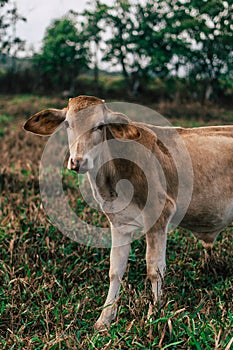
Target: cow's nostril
75,163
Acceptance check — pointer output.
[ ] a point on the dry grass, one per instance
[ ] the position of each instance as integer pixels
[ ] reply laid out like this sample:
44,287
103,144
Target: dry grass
52,288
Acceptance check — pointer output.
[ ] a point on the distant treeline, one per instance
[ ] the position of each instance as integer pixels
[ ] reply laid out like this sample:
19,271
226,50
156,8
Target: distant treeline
166,49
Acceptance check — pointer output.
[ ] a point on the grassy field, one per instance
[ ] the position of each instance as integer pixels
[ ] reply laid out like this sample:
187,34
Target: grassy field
52,289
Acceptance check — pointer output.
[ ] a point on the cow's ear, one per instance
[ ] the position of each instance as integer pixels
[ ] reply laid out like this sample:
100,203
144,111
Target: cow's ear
45,122
115,118
120,126
125,131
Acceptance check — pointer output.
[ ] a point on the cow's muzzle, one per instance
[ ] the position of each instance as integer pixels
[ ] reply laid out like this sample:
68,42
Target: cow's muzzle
79,165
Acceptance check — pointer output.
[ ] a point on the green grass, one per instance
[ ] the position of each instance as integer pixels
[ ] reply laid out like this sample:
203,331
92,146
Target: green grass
4,120
52,289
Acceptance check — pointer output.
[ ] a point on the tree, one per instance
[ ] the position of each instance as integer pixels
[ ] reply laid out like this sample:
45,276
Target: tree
189,36
148,38
120,21
212,55
93,30
64,55
10,43
144,40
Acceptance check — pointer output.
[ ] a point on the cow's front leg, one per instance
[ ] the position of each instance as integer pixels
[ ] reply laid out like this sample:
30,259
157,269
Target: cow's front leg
118,262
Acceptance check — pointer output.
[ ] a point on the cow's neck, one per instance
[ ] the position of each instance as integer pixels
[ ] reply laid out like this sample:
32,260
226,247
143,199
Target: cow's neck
109,171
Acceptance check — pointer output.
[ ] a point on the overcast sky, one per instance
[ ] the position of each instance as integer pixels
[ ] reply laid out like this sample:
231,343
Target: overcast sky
39,14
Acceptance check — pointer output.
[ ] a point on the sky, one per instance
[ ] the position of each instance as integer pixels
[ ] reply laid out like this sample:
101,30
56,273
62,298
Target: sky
39,14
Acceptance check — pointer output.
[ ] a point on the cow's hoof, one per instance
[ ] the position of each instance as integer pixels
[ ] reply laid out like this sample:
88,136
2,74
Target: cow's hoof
207,245
100,326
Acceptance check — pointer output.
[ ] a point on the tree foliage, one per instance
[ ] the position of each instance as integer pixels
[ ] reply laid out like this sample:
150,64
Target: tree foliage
10,43
144,39
93,29
212,55
119,20
164,37
63,56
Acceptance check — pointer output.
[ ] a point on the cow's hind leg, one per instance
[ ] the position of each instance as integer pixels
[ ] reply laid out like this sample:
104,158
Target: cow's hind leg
156,259
207,240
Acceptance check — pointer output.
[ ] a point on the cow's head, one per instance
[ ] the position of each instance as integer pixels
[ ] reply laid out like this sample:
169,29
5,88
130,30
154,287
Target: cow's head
89,122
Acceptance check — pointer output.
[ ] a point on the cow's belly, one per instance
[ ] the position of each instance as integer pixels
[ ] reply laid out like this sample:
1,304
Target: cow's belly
208,218
211,205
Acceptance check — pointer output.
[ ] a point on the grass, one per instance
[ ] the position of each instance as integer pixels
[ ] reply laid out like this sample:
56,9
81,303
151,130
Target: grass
4,120
52,289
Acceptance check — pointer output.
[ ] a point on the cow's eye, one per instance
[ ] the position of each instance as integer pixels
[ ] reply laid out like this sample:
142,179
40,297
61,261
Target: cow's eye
98,127
66,124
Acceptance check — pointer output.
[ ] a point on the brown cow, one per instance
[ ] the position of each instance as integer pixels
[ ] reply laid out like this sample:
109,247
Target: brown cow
190,174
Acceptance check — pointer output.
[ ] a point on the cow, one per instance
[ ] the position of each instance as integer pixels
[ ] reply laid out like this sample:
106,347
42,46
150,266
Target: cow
178,162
